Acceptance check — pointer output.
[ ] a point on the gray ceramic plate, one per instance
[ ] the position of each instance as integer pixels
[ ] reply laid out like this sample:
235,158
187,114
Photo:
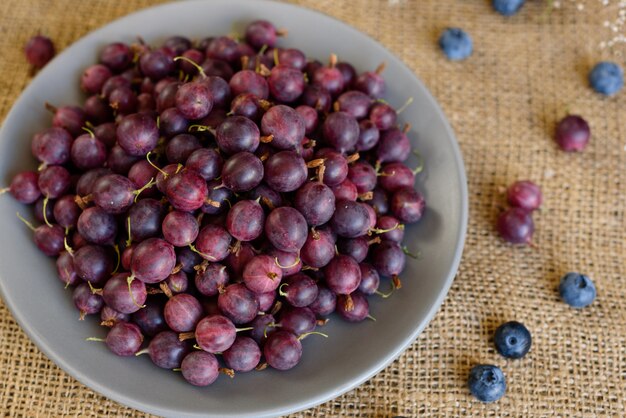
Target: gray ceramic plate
329,367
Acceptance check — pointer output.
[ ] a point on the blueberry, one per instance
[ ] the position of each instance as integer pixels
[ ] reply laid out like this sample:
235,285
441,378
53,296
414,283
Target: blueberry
512,340
577,290
487,382
606,78
508,7
456,44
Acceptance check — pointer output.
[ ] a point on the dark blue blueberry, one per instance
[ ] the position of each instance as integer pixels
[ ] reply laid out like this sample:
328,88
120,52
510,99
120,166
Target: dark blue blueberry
508,7
456,44
487,382
577,290
606,78
512,340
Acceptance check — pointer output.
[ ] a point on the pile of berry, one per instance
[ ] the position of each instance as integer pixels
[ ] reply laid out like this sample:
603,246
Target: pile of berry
221,187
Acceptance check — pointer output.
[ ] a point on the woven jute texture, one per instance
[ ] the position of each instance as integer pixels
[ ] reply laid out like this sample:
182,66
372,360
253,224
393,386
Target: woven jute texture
526,72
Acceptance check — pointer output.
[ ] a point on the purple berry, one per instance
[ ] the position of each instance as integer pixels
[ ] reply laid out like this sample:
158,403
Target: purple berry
407,205
516,226
525,195
200,368
573,133
282,350
243,356
39,50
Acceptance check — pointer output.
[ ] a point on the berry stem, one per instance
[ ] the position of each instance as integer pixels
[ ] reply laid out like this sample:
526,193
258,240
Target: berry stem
245,60
375,240
420,163
201,128
318,162
349,305
183,336
228,372
404,106
270,325
95,339
165,175
236,247
89,131
50,107
213,203
166,290
244,329
305,268
320,173
276,60
263,70
396,281
28,224
266,139
385,295
367,196
265,104
116,248
380,68
177,268
286,267
132,296
267,202
129,241
45,205
94,290
277,306
406,251
140,352
352,158
192,62
4,190
195,250
280,289
306,334
69,249
149,184
332,61
80,201
382,231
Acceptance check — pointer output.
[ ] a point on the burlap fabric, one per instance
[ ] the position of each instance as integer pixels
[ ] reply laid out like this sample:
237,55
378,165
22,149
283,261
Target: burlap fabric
526,72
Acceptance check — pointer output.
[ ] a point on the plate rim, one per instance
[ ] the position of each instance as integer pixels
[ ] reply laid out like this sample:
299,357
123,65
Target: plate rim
327,394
